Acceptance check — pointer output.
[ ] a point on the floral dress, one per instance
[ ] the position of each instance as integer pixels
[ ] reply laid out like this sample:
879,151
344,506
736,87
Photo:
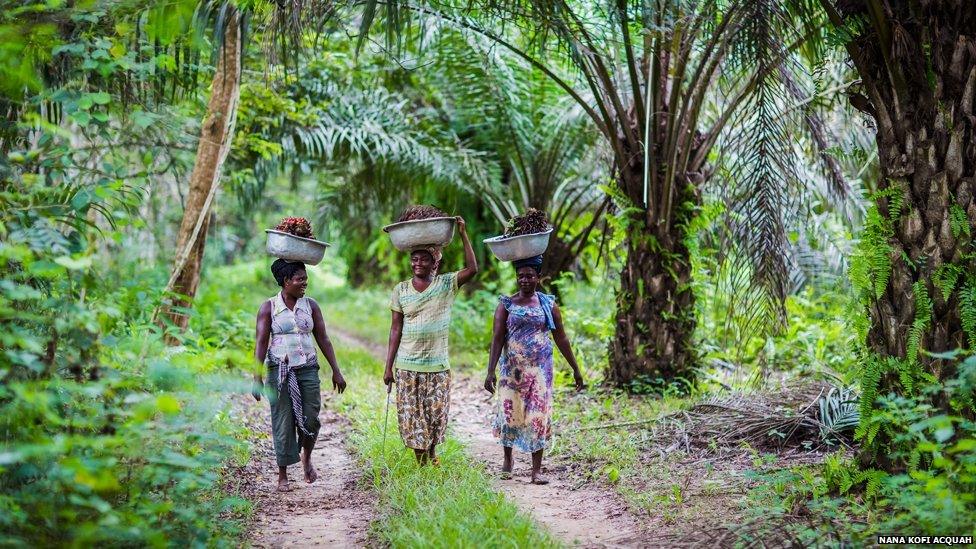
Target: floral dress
523,419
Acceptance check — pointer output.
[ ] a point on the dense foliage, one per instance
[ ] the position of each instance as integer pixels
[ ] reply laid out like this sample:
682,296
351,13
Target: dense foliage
759,265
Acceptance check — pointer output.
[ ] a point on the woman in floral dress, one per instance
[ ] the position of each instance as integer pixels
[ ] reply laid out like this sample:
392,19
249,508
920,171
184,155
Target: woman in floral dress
521,341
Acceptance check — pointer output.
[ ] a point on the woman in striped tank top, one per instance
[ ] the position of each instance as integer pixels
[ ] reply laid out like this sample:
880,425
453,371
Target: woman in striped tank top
287,324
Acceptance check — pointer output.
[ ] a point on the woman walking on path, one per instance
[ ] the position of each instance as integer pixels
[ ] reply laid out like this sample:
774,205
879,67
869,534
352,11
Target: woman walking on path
286,325
520,337
418,347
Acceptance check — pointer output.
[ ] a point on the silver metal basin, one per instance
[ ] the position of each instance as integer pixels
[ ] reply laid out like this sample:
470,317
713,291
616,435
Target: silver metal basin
295,248
409,235
513,248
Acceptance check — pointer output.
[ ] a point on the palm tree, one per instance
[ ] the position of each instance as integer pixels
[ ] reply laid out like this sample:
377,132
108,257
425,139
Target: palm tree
368,145
915,263
664,82
546,146
504,138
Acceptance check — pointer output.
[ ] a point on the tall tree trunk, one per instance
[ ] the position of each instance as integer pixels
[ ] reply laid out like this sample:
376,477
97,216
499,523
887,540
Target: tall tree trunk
918,274
215,139
655,319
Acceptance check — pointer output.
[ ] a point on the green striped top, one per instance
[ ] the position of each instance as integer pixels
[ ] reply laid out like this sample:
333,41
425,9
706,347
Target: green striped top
426,323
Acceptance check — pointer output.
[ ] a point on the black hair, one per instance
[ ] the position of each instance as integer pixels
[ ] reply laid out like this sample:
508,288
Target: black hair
282,270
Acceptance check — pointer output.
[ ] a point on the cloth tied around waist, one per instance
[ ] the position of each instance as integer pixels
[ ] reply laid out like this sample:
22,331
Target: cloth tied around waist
288,380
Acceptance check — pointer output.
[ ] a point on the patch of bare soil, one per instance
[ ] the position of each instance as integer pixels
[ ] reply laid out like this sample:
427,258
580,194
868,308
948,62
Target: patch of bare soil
586,515
690,483
334,511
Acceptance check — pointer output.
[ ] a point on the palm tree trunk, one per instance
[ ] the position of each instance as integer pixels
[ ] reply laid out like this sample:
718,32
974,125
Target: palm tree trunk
215,138
919,74
655,319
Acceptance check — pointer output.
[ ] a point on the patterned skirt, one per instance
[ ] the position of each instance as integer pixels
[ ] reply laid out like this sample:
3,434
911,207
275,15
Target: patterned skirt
423,400
523,417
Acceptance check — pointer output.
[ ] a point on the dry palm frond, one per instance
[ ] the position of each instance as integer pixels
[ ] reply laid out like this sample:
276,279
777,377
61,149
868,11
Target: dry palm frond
810,416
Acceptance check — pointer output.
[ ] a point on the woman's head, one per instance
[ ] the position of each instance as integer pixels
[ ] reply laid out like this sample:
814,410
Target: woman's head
424,261
527,273
291,276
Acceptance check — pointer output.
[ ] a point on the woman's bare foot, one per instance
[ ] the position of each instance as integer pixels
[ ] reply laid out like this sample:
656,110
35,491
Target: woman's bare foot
310,474
537,478
283,485
507,467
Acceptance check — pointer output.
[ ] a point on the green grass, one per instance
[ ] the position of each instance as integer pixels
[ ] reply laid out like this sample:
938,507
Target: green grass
452,505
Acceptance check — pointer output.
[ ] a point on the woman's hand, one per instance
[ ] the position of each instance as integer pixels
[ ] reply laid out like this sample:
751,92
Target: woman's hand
490,382
388,379
460,224
338,382
257,388
578,378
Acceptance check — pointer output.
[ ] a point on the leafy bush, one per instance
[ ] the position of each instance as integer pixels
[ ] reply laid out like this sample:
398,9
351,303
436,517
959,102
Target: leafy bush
817,339
132,457
934,491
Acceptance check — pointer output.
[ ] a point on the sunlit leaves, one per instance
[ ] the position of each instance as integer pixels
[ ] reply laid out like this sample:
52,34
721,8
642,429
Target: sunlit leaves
23,51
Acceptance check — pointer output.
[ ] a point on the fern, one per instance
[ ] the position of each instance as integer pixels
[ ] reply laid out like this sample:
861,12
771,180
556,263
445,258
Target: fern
914,459
923,316
873,368
895,194
873,479
908,374
958,221
967,308
945,278
872,432
870,267
843,474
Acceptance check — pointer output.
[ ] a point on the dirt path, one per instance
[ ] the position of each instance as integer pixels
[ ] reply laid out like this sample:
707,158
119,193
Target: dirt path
332,512
584,516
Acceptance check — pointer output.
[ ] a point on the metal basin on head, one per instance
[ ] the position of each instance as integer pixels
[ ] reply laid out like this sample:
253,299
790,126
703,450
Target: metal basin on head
513,248
295,248
409,235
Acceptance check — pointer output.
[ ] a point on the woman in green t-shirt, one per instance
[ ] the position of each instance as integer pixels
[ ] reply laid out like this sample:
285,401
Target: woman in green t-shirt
418,350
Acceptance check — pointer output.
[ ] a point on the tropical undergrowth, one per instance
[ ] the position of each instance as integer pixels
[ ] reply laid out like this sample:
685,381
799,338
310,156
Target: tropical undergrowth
617,438
124,443
916,465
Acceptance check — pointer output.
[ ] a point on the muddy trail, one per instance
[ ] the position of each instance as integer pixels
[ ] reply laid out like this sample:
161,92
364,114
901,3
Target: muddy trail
586,516
334,511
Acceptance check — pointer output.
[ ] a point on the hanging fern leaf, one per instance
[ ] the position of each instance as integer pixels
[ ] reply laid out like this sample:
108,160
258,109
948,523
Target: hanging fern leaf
945,278
923,317
873,368
958,221
870,265
967,307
